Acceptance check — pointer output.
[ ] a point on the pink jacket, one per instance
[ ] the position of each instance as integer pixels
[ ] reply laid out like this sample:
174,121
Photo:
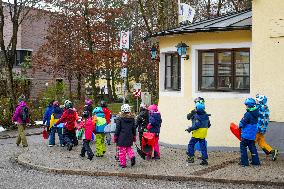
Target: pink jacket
88,126
17,113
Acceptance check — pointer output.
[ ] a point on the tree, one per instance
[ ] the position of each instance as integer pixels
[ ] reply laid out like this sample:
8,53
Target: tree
14,12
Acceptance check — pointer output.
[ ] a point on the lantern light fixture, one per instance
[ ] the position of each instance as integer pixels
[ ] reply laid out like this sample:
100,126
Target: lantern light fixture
181,49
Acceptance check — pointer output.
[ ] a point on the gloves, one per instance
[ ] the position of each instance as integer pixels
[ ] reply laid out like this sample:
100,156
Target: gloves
134,138
188,129
115,139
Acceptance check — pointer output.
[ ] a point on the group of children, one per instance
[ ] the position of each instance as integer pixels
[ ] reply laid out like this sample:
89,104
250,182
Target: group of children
253,127
65,121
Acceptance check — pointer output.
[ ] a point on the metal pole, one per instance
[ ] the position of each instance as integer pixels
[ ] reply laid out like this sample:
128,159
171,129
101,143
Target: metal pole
124,90
137,104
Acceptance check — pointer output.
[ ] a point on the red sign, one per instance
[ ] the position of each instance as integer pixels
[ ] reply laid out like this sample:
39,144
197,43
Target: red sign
137,93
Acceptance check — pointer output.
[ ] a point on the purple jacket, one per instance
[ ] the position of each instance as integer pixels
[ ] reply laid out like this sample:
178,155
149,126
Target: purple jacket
17,113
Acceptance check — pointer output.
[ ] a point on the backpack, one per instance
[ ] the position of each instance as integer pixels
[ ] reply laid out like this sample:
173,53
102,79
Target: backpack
25,114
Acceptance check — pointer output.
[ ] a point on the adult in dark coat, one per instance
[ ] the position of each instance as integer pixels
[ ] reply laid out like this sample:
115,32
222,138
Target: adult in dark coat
142,121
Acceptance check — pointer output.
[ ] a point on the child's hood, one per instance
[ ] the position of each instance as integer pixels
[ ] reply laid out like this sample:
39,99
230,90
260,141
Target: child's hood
126,117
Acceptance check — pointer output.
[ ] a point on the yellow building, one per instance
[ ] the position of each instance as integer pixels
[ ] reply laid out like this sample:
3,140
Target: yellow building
230,58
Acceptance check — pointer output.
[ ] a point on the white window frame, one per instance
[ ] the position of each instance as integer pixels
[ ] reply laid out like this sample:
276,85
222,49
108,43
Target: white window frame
194,60
162,71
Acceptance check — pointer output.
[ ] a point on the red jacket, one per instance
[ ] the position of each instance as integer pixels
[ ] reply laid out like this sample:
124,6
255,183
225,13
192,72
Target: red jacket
107,113
89,127
69,118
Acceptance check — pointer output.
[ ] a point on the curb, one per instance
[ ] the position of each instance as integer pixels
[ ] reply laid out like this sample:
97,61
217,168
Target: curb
144,176
27,134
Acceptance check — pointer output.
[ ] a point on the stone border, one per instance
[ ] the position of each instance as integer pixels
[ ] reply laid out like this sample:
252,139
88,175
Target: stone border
146,176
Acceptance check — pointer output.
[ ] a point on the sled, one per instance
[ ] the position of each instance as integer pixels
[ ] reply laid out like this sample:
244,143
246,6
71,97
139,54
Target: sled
140,152
235,130
148,142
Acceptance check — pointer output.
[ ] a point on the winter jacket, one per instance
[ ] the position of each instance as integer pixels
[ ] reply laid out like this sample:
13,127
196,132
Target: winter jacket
100,123
248,125
55,116
200,124
47,115
142,120
69,118
88,125
125,132
108,114
263,119
18,113
155,121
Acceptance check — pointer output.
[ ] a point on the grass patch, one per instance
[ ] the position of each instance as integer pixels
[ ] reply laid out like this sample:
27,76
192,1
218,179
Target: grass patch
115,107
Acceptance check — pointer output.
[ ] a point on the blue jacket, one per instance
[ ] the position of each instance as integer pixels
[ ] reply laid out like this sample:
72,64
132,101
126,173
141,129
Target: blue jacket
248,125
200,124
263,119
155,120
47,115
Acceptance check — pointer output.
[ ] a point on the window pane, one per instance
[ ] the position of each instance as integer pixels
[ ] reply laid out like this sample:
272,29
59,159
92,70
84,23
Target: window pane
208,70
224,70
225,57
242,69
224,83
168,60
175,71
208,58
242,83
207,83
168,77
242,57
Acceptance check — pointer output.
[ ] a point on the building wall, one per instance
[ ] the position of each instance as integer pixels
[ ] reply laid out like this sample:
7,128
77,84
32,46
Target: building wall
268,56
31,36
224,107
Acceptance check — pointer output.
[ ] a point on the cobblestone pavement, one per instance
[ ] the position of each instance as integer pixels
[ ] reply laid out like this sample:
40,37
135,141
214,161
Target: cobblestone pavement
14,176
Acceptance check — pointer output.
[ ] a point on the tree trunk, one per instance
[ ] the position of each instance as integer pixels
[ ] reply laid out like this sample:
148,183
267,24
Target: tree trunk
79,87
109,85
113,84
70,86
220,3
208,7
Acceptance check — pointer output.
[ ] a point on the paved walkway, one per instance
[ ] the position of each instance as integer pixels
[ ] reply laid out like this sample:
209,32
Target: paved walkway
223,167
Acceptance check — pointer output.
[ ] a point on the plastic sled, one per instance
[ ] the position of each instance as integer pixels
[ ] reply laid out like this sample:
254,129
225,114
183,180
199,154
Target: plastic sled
235,130
148,142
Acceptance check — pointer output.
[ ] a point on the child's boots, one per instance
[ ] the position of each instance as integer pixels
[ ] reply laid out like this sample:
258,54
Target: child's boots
204,162
133,161
274,154
190,159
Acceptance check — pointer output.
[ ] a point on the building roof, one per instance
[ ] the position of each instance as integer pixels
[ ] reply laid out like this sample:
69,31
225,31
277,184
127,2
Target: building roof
236,21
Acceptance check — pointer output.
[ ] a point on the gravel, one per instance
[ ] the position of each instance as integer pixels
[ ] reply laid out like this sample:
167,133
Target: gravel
14,176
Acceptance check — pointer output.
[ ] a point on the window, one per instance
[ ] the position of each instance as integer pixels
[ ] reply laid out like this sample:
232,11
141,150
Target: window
224,70
21,56
172,69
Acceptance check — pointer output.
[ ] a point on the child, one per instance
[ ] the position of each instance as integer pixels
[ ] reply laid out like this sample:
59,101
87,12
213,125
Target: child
21,118
47,115
88,106
262,123
69,118
55,116
142,121
100,136
88,127
125,135
248,126
200,125
108,116
154,126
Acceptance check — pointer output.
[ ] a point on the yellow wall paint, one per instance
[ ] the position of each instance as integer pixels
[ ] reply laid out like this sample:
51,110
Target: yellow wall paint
224,111
268,54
